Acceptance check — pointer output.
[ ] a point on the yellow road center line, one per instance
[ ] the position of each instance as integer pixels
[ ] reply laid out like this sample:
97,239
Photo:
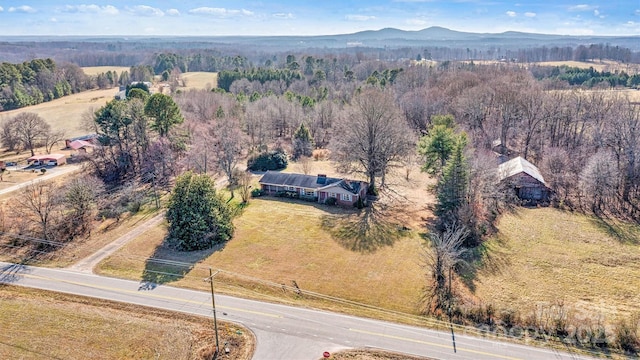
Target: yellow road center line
435,344
145,293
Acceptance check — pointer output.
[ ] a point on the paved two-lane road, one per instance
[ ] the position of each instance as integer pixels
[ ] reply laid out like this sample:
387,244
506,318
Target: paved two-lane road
282,332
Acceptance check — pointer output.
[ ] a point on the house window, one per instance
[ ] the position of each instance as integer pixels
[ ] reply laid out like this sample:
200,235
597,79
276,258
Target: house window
291,188
346,197
332,195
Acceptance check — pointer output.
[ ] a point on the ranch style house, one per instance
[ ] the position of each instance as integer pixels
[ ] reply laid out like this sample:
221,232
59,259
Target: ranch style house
317,188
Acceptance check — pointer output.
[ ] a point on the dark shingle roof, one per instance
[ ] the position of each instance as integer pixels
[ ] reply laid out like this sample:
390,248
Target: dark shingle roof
307,181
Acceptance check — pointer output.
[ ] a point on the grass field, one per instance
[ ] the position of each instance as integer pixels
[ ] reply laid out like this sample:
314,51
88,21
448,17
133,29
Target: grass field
285,241
543,256
332,251
37,324
200,80
66,113
95,70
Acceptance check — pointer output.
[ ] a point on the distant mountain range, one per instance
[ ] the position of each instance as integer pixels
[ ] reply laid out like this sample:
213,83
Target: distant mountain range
384,38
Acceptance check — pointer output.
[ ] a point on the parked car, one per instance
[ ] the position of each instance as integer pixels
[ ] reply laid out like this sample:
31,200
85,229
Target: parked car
11,163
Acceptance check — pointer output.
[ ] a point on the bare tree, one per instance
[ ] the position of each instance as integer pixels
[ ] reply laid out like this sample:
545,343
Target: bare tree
243,179
51,138
38,204
306,163
373,137
228,146
599,180
445,253
80,197
30,129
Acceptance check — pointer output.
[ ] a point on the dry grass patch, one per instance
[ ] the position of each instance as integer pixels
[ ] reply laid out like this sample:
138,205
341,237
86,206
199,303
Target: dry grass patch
66,113
544,256
96,70
199,80
278,242
284,241
104,232
372,354
37,324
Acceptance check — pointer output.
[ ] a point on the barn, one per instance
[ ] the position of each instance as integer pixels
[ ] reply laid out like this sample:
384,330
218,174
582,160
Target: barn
525,179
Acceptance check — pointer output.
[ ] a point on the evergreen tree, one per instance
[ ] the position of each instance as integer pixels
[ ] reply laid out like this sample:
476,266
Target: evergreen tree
302,142
198,217
164,111
453,186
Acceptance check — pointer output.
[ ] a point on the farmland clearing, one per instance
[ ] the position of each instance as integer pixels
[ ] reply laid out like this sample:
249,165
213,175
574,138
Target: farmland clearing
66,112
55,325
545,256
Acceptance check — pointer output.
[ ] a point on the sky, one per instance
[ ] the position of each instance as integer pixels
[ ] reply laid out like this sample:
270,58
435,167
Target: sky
319,17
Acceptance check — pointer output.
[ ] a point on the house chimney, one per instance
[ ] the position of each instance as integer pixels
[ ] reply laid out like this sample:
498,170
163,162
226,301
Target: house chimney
322,175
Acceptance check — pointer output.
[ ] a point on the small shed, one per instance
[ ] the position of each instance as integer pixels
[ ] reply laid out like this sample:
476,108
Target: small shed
525,179
48,159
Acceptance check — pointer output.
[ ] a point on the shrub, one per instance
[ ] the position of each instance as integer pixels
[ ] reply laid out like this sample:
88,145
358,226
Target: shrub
628,334
272,160
320,154
257,192
331,201
359,204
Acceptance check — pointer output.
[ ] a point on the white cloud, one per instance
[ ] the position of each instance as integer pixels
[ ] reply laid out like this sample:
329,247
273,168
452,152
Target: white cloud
359,17
1,9
53,20
22,9
416,22
283,15
511,14
582,7
637,12
530,14
144,10
92,8
173,12
219,12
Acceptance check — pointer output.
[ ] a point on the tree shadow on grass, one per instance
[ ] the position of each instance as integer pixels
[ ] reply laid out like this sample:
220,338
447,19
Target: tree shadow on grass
365,231
168,265
486,257
626,233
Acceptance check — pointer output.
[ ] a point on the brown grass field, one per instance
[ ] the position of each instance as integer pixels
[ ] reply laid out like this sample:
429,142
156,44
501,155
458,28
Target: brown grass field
372,354
66,113
199,80
321,248
545,256
37,324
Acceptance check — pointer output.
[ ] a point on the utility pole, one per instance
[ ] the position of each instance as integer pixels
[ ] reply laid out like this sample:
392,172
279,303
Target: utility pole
213,303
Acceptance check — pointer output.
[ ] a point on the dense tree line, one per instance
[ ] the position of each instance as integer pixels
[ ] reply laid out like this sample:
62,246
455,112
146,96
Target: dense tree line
37,81
197,62
586,77
226,78
579,53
